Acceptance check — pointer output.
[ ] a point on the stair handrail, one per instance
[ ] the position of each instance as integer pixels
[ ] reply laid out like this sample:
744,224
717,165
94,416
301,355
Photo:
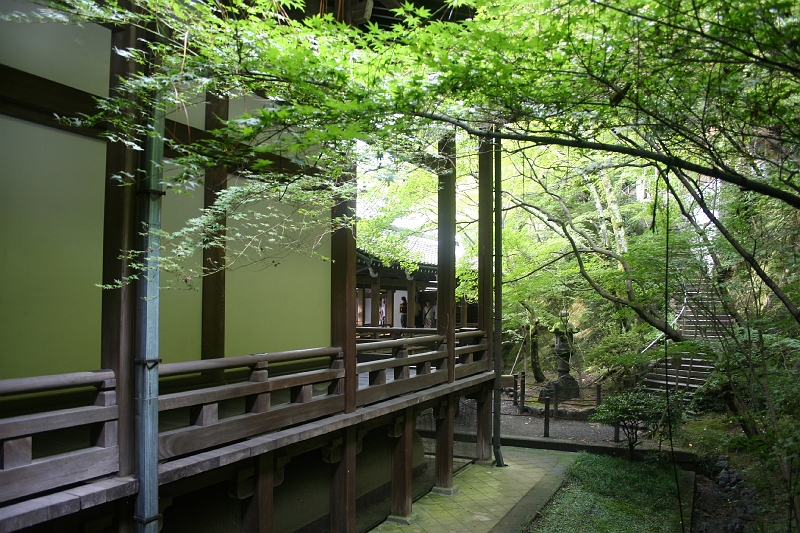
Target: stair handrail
677,317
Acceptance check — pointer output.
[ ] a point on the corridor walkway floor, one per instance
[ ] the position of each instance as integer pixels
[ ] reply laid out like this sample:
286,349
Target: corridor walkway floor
490,499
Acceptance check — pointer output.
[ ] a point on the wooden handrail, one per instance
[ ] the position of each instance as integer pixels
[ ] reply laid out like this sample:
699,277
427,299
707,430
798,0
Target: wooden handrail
54,382
468,334
396,343
384,329
393,362
193,367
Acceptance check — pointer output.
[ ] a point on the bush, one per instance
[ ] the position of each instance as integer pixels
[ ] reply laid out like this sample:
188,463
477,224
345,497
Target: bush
636,411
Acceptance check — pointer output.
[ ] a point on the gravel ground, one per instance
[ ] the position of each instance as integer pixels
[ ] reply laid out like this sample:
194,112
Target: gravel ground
533,426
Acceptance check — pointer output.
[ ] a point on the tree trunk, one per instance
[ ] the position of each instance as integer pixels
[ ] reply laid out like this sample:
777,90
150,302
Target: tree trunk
740,410
533,344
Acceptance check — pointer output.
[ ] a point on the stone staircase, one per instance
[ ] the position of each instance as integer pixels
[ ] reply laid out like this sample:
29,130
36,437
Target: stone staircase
691,373
702,317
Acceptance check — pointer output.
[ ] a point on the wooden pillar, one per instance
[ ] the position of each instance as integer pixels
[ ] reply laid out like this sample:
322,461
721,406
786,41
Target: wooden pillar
446,269
343,335
445,424
213,314
343,293
483,446
119,235
485,199
412,305
343,485
257,516
403,465
390,307
375,302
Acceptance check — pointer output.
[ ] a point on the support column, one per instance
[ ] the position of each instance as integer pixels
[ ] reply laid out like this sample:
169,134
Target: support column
213,314
498,298
343,485
147,326
343,334
257,517
483,447
445,424
412,305
119,236
485,175
446,269
375,302
402,468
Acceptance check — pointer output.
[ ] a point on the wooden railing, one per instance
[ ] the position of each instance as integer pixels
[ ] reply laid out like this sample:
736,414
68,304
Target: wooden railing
425,355
21,473
256,411
206,404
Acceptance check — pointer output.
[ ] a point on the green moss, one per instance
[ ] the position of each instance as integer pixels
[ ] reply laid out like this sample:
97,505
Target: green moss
610,495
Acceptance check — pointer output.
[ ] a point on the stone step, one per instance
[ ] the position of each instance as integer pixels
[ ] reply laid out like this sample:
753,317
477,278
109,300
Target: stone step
659,378
684,368
659,384
656,390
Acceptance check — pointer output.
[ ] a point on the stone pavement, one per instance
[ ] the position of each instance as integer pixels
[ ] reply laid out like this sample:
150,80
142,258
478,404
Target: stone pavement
500,500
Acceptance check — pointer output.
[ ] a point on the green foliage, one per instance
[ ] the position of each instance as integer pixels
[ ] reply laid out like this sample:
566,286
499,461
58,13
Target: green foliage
635,412
606,494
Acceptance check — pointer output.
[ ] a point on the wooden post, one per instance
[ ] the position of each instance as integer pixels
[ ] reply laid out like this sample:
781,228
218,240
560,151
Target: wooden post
514,401
213,299
445,424
343,485
402,465
257,516
343,335
119,235
483,449
16,452
343,293
547,416
375,305
412,305
485,240
446,269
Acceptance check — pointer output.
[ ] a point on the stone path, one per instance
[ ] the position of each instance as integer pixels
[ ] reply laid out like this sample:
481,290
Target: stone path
493,499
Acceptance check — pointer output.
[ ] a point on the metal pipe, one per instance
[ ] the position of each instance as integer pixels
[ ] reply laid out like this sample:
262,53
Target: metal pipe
147,321
498,299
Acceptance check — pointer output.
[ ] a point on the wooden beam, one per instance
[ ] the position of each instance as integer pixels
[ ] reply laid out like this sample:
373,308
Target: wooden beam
483,447
213,299
445,424
375,305
343,485
119,236
35,99
257,516
446,273
402,466
485,198
343,294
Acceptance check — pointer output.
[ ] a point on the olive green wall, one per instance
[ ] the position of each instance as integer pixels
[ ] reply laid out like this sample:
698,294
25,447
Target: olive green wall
284,307
181,307
51,230
77,56
51,244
